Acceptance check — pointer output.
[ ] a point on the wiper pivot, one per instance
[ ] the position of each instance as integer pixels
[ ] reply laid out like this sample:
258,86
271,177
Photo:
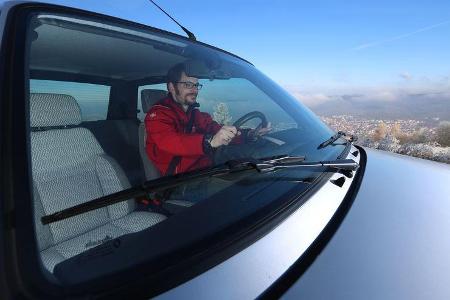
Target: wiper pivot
334,138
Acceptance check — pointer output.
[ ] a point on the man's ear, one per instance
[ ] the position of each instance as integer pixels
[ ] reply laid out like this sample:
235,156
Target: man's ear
171,88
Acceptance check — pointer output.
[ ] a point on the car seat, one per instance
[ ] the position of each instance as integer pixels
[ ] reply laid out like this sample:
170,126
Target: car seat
69,167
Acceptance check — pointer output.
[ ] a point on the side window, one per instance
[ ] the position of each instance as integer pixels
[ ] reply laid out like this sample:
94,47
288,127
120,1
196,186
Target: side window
159,86
93,99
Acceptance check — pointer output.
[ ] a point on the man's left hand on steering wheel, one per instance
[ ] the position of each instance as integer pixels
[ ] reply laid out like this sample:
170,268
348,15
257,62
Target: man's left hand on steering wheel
254,134
222,154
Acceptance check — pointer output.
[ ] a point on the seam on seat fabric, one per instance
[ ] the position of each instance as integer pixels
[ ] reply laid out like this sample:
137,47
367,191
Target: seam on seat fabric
80,234
49,263
123,181
103,192
154,216
37,197
119,227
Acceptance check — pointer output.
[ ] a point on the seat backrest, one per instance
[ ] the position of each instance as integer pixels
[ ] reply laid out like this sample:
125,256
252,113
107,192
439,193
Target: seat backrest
69,167
148,98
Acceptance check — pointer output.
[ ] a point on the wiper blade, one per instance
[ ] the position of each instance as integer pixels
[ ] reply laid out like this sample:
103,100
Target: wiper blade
233,166
334,138
161,183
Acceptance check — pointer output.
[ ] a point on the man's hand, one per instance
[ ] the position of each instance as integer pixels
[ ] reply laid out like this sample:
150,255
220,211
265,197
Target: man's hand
224,136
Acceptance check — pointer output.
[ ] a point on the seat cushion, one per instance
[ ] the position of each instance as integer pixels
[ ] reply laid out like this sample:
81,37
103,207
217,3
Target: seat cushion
70,168
133,222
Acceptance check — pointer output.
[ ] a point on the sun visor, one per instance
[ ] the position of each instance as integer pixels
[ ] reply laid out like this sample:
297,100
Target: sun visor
210,68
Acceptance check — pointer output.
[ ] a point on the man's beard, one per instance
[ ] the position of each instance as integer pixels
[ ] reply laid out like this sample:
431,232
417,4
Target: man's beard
184,100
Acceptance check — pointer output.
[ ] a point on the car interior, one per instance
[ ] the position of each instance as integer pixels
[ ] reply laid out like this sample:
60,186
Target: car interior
91,84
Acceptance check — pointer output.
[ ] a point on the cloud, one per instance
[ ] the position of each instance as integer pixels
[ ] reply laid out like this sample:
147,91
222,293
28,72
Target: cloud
427,94
310,98
378,94
372,95
316,97
444,81
398,37
351,97
406,76
384,95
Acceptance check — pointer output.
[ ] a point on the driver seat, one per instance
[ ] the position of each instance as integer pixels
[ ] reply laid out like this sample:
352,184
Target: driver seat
148,98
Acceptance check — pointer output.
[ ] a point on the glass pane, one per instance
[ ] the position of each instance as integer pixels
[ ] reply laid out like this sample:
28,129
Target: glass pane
93,99
73,164
227,100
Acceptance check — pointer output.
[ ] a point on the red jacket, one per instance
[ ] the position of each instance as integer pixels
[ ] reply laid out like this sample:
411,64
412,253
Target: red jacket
165,125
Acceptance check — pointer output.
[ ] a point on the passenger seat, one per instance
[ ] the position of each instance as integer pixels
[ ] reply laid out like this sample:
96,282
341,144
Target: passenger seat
69,167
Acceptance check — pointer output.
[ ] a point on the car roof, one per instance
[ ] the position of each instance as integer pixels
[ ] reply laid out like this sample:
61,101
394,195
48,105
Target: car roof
125,67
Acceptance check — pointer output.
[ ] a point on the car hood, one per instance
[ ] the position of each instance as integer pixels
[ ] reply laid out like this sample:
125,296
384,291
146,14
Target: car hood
394,242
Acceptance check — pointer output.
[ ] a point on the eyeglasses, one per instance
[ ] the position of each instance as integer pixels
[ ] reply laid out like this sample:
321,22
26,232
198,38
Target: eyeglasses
191,85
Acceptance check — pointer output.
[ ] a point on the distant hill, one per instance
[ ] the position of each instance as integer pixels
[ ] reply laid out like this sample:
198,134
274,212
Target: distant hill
414,107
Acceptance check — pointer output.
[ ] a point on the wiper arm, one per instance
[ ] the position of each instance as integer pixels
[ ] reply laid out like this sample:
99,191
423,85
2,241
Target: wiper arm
233,166
341,164
334,138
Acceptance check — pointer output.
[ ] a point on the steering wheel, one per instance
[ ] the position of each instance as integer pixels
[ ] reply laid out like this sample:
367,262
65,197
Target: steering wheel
229,152
250,116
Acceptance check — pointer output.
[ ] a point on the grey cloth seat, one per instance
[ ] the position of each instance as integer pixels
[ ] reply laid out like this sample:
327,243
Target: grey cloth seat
148,98
69,167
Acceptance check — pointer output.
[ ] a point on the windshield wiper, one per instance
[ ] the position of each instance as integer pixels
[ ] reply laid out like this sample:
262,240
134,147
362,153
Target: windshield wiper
264,165
334,138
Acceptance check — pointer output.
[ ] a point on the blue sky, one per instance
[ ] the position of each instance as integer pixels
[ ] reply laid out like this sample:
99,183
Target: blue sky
315,48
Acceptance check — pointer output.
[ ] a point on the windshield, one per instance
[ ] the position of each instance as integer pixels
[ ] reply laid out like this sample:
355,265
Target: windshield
113,106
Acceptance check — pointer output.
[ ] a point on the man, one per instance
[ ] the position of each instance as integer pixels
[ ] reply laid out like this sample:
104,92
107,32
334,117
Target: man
174,145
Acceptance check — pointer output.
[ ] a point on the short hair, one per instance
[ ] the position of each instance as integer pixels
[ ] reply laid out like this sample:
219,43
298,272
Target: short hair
174,73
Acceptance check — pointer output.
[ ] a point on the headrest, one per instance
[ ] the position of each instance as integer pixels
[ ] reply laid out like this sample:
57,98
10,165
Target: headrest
150,97
50,110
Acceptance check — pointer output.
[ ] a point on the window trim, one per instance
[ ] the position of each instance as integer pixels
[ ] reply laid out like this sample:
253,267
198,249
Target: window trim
21,259
62,76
